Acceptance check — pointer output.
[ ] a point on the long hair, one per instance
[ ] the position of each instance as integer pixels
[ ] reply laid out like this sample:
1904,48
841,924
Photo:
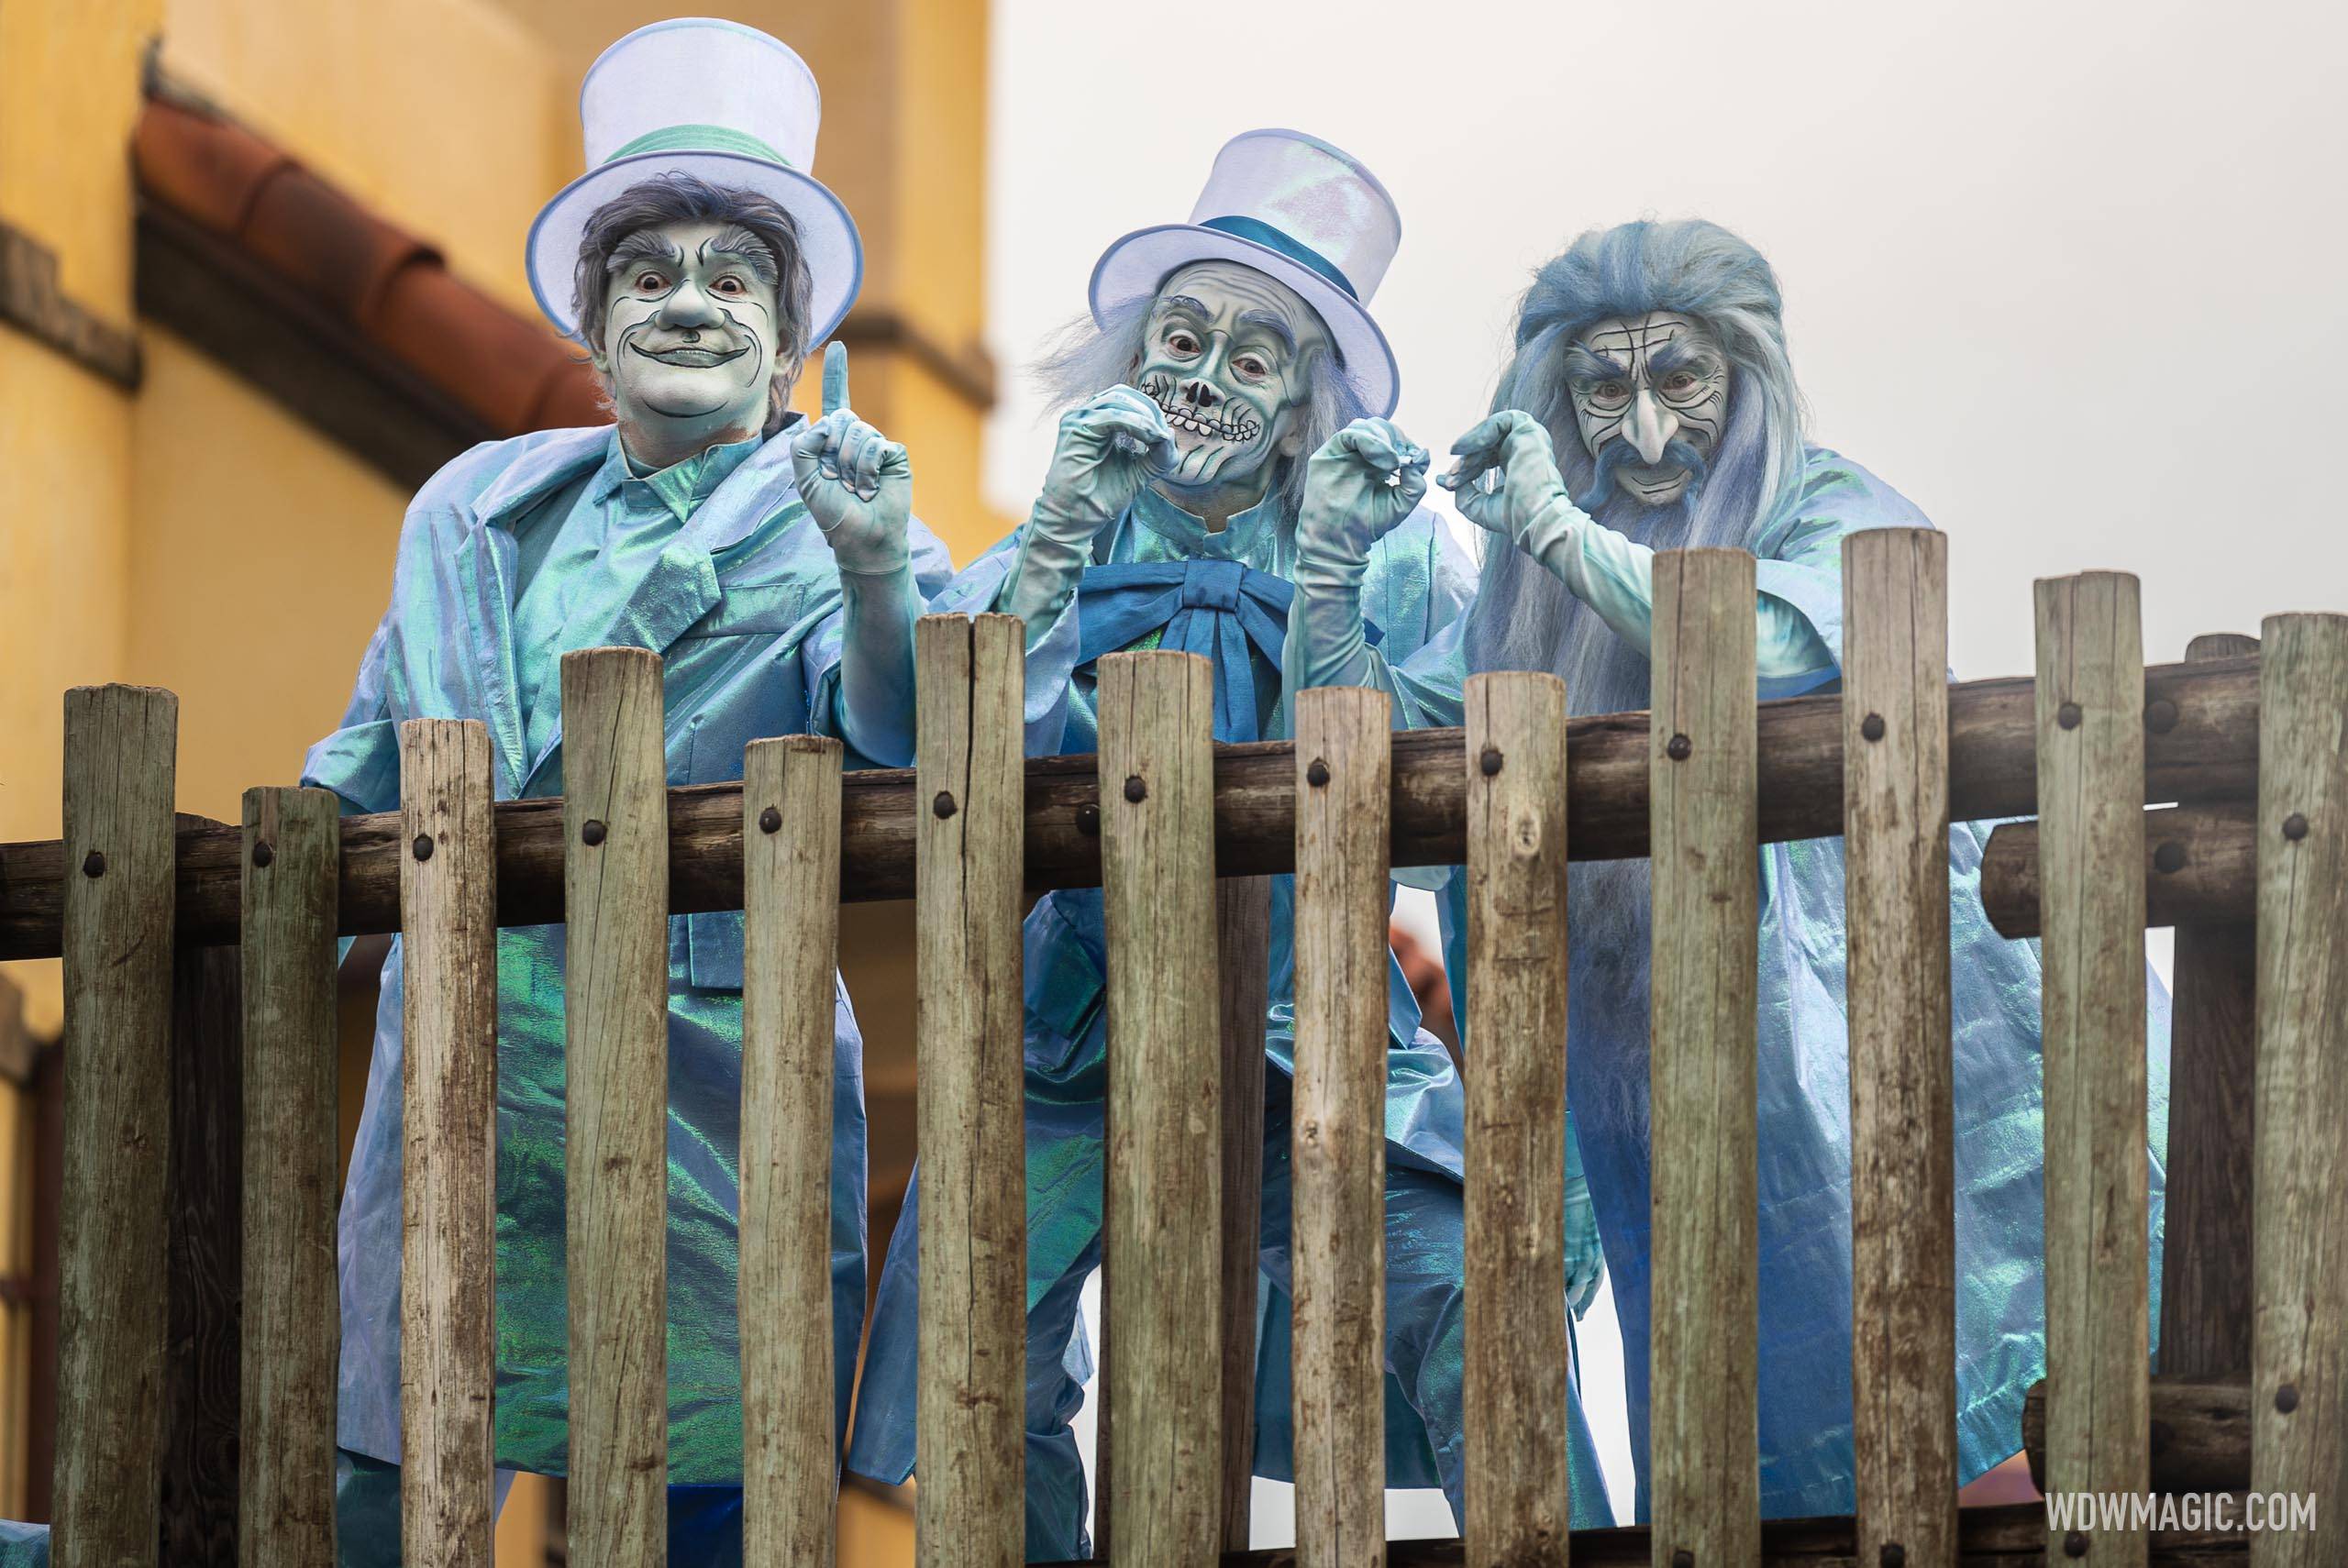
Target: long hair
1086,357
673,197
1524,618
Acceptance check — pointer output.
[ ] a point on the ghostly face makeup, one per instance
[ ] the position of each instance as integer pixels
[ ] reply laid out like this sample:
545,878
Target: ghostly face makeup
1227,355
690,327
1650,393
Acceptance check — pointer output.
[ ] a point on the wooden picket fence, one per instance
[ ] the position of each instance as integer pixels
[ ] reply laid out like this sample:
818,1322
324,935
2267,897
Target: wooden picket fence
2252,752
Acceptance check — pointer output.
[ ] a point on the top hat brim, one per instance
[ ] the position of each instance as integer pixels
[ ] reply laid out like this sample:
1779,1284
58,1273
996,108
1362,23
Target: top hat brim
1137,265
827,236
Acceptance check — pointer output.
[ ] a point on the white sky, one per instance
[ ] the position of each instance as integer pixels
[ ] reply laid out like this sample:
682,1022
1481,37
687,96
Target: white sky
2060,274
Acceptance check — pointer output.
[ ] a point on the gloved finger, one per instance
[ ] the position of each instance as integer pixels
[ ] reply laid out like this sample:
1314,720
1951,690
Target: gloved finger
1484,435
1525,436
1131,409
1144,430
869,459
835,377
1411,460
1469,470
813,439
1124,395
1482,509
856,437
1410,485
1371,442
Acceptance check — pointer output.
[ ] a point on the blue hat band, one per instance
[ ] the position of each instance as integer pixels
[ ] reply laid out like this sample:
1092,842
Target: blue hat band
700,138
1265,235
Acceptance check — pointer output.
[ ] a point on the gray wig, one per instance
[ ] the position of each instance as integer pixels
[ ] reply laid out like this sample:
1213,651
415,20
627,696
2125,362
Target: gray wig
1524,618
1086,357
673,197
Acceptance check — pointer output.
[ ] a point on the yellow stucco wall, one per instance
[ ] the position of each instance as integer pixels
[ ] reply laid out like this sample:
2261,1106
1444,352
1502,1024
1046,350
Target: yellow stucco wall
196,535
445,116
69,94
292,590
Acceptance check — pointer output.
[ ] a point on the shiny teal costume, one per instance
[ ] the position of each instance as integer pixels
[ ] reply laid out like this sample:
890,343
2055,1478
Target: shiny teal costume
518,552
1162,579
1806,1461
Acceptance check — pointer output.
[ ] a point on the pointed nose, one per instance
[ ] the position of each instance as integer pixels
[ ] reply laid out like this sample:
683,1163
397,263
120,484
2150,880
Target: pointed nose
1649,427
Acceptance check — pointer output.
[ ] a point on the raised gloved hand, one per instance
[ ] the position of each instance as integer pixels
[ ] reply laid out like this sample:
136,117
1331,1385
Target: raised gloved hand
1362,483
858,484
1507,481
1109,447
1358,488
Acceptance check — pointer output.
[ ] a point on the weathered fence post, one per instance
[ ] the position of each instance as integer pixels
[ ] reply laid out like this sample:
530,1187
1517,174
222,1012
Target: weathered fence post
2207,1215
791,924
2298,1384
1519,1487
202,1375
1903,1228
615,1098
1337,1241
120,766
1704,1437
969,1034
1242,917
1163,1199
2091,854
292,1311
447,1132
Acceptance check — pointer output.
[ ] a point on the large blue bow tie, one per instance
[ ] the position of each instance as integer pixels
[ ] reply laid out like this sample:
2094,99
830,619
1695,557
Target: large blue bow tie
1215,608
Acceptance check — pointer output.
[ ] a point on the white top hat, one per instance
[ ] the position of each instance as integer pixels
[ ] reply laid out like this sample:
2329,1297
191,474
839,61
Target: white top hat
1291,206
721,102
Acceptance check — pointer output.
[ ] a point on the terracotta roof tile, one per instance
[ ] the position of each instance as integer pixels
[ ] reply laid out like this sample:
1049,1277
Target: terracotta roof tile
393,288
208,170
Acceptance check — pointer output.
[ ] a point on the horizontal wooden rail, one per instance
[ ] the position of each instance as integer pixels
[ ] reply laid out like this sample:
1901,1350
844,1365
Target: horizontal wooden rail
2200,868
2010,1537
2200,1433
2201,744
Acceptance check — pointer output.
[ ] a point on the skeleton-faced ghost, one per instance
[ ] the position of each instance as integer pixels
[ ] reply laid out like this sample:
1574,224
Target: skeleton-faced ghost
1215,490
1225,378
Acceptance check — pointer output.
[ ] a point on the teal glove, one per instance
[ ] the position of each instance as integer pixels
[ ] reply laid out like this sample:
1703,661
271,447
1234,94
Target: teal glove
1109,447
858,486
1358,488
1507,481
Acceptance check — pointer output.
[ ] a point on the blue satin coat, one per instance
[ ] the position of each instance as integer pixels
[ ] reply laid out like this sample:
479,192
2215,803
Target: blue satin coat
742,599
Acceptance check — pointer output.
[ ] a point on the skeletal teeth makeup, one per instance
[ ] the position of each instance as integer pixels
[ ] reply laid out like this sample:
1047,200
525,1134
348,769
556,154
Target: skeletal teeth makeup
1239,429
1228,356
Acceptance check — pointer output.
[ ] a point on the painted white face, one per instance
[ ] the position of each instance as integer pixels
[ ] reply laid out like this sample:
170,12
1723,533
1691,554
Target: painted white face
690,328
1226,356
1650,393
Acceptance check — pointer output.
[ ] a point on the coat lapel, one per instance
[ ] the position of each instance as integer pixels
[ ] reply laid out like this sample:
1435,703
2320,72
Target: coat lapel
681,585
485,586
486,560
